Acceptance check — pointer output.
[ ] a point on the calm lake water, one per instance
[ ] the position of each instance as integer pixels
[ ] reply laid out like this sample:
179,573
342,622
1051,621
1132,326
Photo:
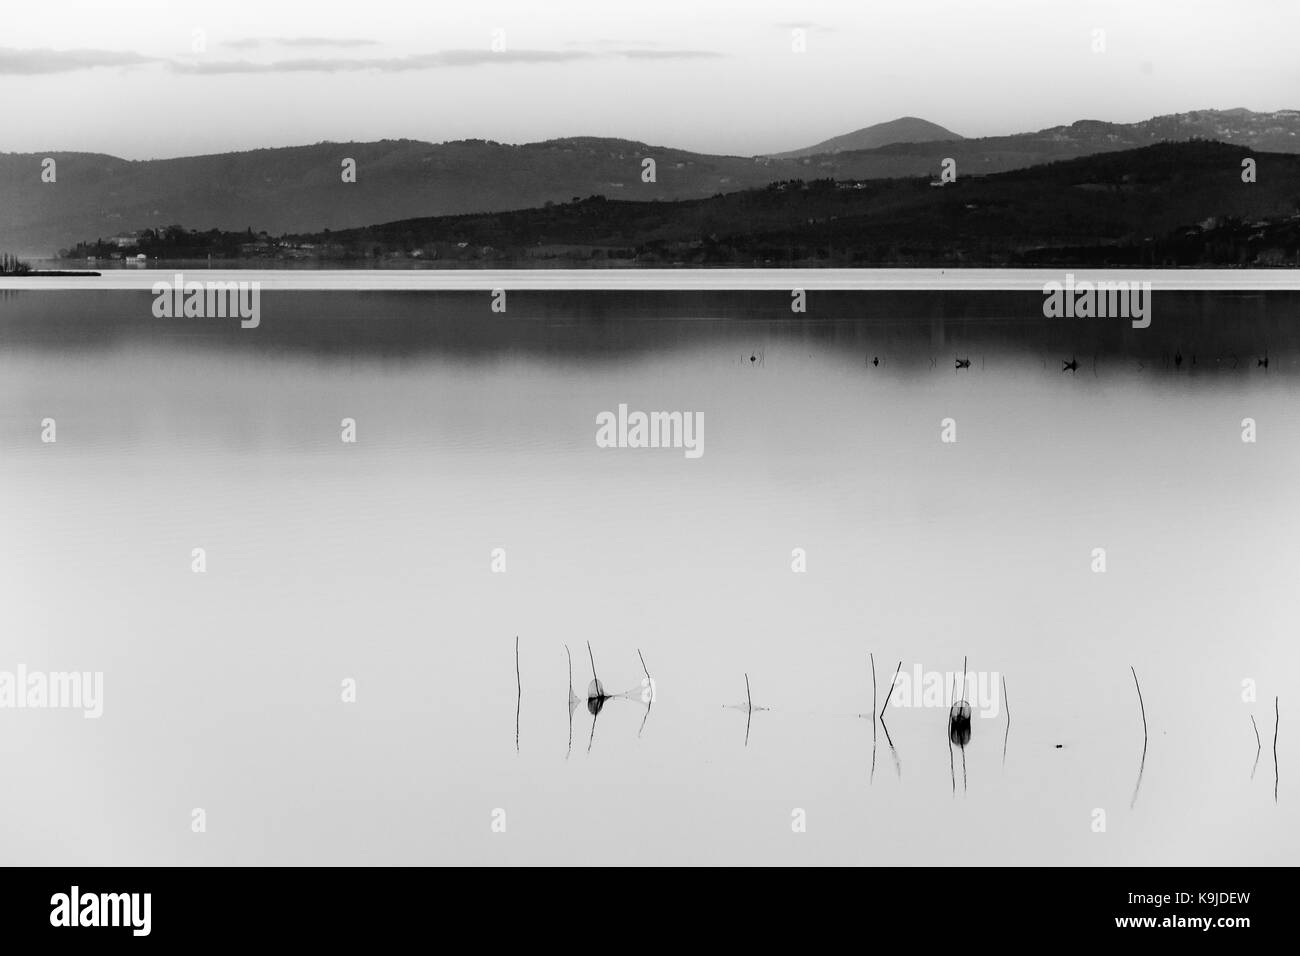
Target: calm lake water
371,561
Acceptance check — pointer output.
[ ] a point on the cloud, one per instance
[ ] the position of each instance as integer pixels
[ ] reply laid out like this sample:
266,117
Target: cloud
44,61
400,64
253,43
39,62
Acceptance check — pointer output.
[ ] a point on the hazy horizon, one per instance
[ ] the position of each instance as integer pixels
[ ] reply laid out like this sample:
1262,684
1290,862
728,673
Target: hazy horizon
166,80
597,135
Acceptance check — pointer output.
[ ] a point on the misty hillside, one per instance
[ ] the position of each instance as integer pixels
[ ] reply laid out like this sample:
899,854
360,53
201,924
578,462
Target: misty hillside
298,189
1154,204
906,129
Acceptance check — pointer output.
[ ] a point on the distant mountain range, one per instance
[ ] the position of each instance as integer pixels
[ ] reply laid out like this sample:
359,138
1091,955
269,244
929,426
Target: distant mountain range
1171,204
906,129
1166,204
299,190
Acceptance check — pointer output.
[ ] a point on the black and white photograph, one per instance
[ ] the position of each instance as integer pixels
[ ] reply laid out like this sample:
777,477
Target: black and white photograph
703,434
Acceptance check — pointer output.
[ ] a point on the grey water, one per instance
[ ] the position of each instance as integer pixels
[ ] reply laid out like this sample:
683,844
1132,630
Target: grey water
372,561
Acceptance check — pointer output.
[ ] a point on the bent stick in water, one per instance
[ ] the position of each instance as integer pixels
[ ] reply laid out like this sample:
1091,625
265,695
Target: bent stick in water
891,689
519,695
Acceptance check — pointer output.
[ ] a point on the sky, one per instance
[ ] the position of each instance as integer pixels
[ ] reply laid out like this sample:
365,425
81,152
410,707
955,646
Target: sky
154,78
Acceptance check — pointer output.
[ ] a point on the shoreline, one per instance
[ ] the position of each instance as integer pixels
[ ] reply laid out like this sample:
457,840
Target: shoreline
667,280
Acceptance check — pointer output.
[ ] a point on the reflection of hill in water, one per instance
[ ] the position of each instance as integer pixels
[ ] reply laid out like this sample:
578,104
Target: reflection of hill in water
1220,332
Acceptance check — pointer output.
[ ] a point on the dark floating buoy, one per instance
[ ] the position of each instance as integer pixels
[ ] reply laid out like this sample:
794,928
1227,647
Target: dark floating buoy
959,715
1059,746
959,723
596,697
1070,366
963,363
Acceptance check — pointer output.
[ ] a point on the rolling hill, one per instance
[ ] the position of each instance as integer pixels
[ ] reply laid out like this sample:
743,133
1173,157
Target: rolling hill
1167,204
299,189
905,129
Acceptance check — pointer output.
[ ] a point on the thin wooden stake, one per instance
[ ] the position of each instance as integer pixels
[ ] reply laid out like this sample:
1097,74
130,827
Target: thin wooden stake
573,702
1277,720
891,690
1144,709
1007,735
749,709
650,692
1141,766
1258,747
873,697
873,718
519,696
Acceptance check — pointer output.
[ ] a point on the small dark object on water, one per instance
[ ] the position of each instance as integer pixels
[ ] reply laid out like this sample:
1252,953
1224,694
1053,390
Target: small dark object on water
1059,746
876,360
959,730
959,723
963,363
1178,359
596,695
1070,366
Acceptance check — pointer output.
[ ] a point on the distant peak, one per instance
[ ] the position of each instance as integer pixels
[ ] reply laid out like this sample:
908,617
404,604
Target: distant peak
904,129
